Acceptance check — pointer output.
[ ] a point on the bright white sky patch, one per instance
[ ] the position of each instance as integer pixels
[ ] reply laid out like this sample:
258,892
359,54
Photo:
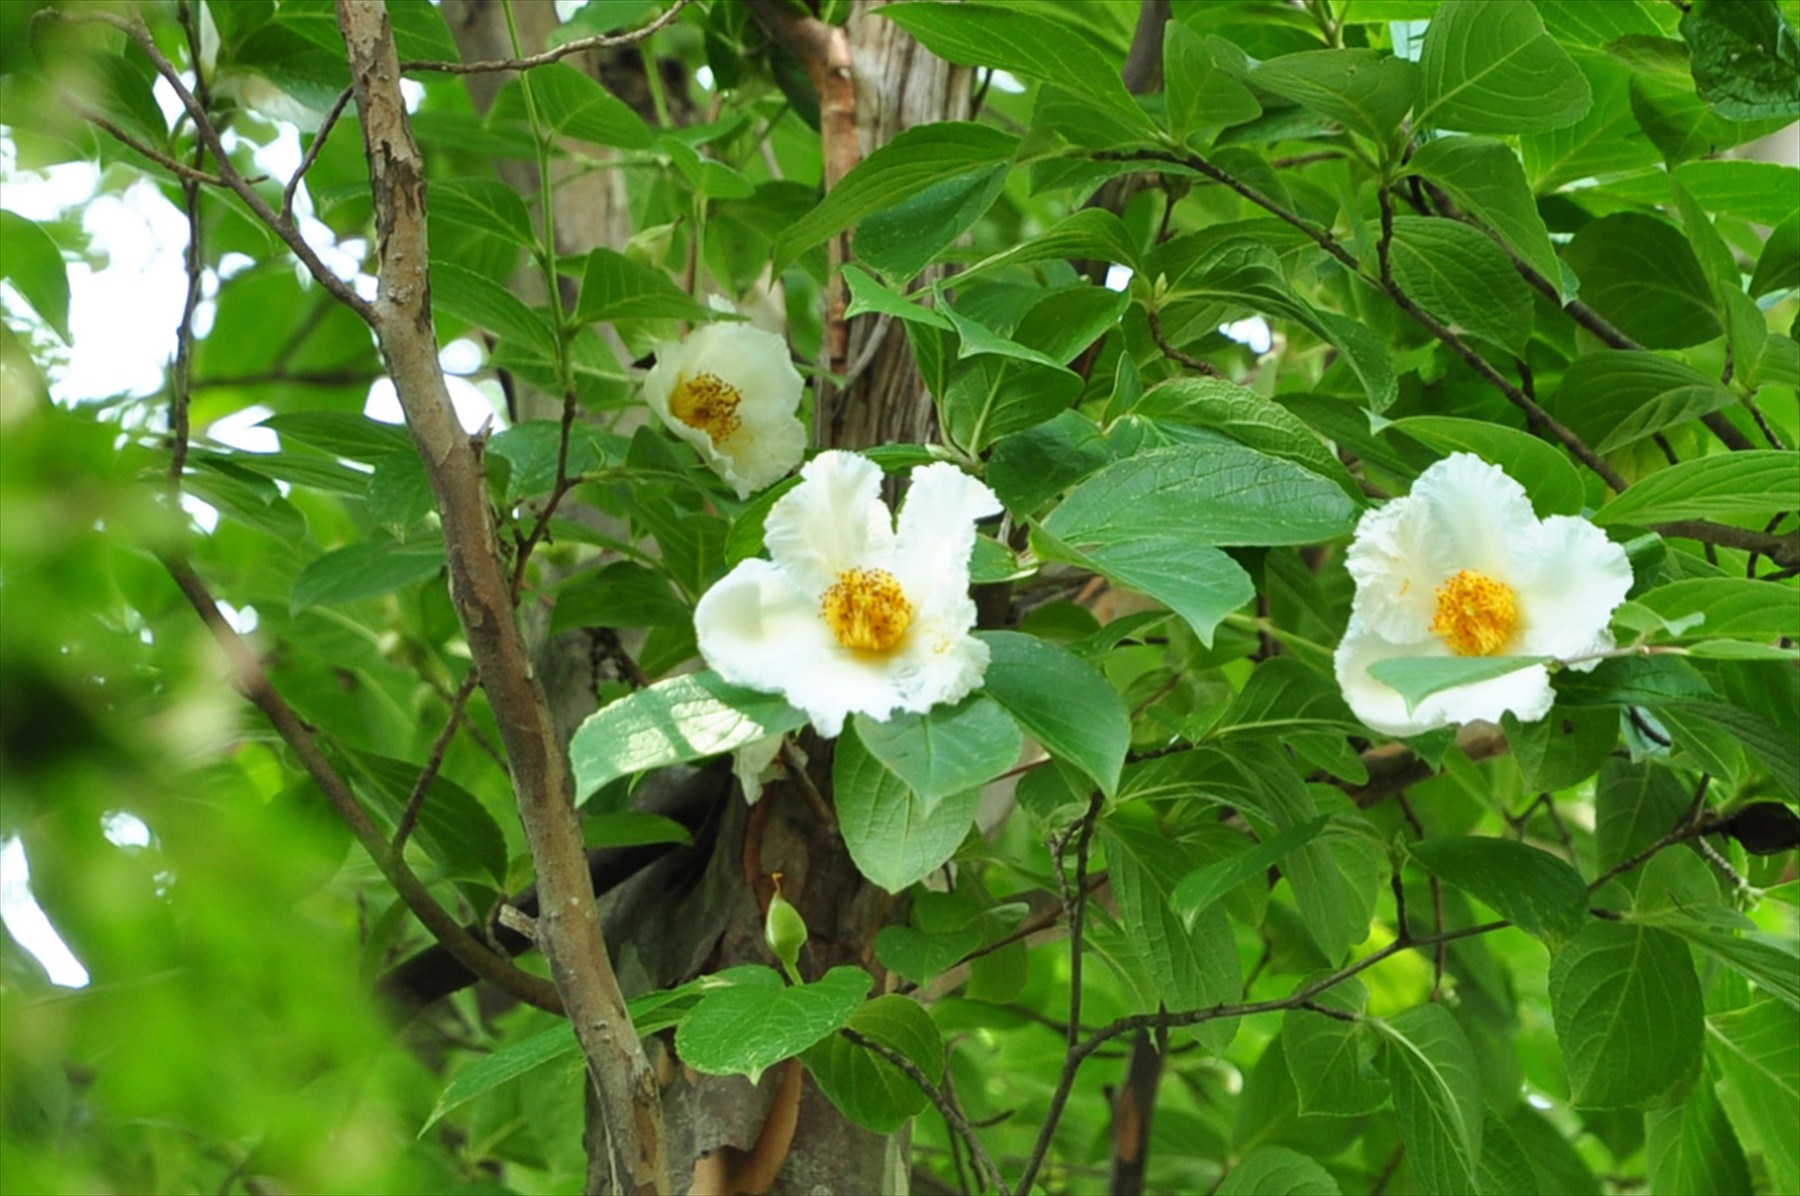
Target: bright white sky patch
704,77
1118,277
243,430
1002,81
1253,332
125,830
29,925
473,406
460,356
243,621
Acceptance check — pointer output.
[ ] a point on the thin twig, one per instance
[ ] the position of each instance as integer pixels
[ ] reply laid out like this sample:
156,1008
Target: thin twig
415,801
1691,825
1175,354
796,765
228,175
1075,904
1440,957
1784,550
313,151
555,54
193,262
940,1100
1540,418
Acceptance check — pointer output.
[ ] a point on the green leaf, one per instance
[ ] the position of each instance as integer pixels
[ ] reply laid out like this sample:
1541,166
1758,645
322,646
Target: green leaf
572,103
1022,42
1746,59
1546,472
684,718
364,570
1614,398
895,837
247,499
1757,1055
632,828
868,294
1416,678
1325,1054
622,594
510,1061
1628,1014
534,451
1562,748
1489,67
1437,1096
613,287
1062,702
1202,281
487,205
919,955
1335,875
945,751
1751,484
487,303
1249,418
1290,703
747,1029
1727,606
908,164
1204,84
1635,803
901,240
1532,889
1204,885
1484,178
1201,584
1277,1171
1691,1147
1366,92
867,1088
1462,277
1778,268
1208,495
1640,273
1191,960
30,260
342,434
1607,141
1771,964
454,827
1090,233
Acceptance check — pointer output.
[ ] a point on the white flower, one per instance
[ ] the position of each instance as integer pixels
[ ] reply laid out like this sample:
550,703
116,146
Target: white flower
731,391
1462,567
850,615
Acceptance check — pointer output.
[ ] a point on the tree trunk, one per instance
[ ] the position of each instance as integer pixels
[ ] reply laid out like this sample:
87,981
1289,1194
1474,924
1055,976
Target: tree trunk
702,910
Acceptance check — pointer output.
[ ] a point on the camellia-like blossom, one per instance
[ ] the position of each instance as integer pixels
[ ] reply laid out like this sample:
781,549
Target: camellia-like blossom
1463,567
850,614
731,391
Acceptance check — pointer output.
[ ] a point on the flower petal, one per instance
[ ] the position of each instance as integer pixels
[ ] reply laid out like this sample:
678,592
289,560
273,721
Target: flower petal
937,534
940,661
1526,693
1569,580
832,521
1392,563
1478,515
757,630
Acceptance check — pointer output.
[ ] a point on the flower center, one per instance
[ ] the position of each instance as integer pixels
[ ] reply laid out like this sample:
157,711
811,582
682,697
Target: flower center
867,610
1476,615
707,402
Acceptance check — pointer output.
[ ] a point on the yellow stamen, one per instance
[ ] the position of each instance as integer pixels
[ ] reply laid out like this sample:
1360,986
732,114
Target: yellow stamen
707,402
867,610
1476,615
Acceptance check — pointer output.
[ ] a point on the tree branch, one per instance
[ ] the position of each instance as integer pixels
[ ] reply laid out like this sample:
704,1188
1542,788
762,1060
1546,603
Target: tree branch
568,921
253,682
1075,902
942,1100
1784,549
555,54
